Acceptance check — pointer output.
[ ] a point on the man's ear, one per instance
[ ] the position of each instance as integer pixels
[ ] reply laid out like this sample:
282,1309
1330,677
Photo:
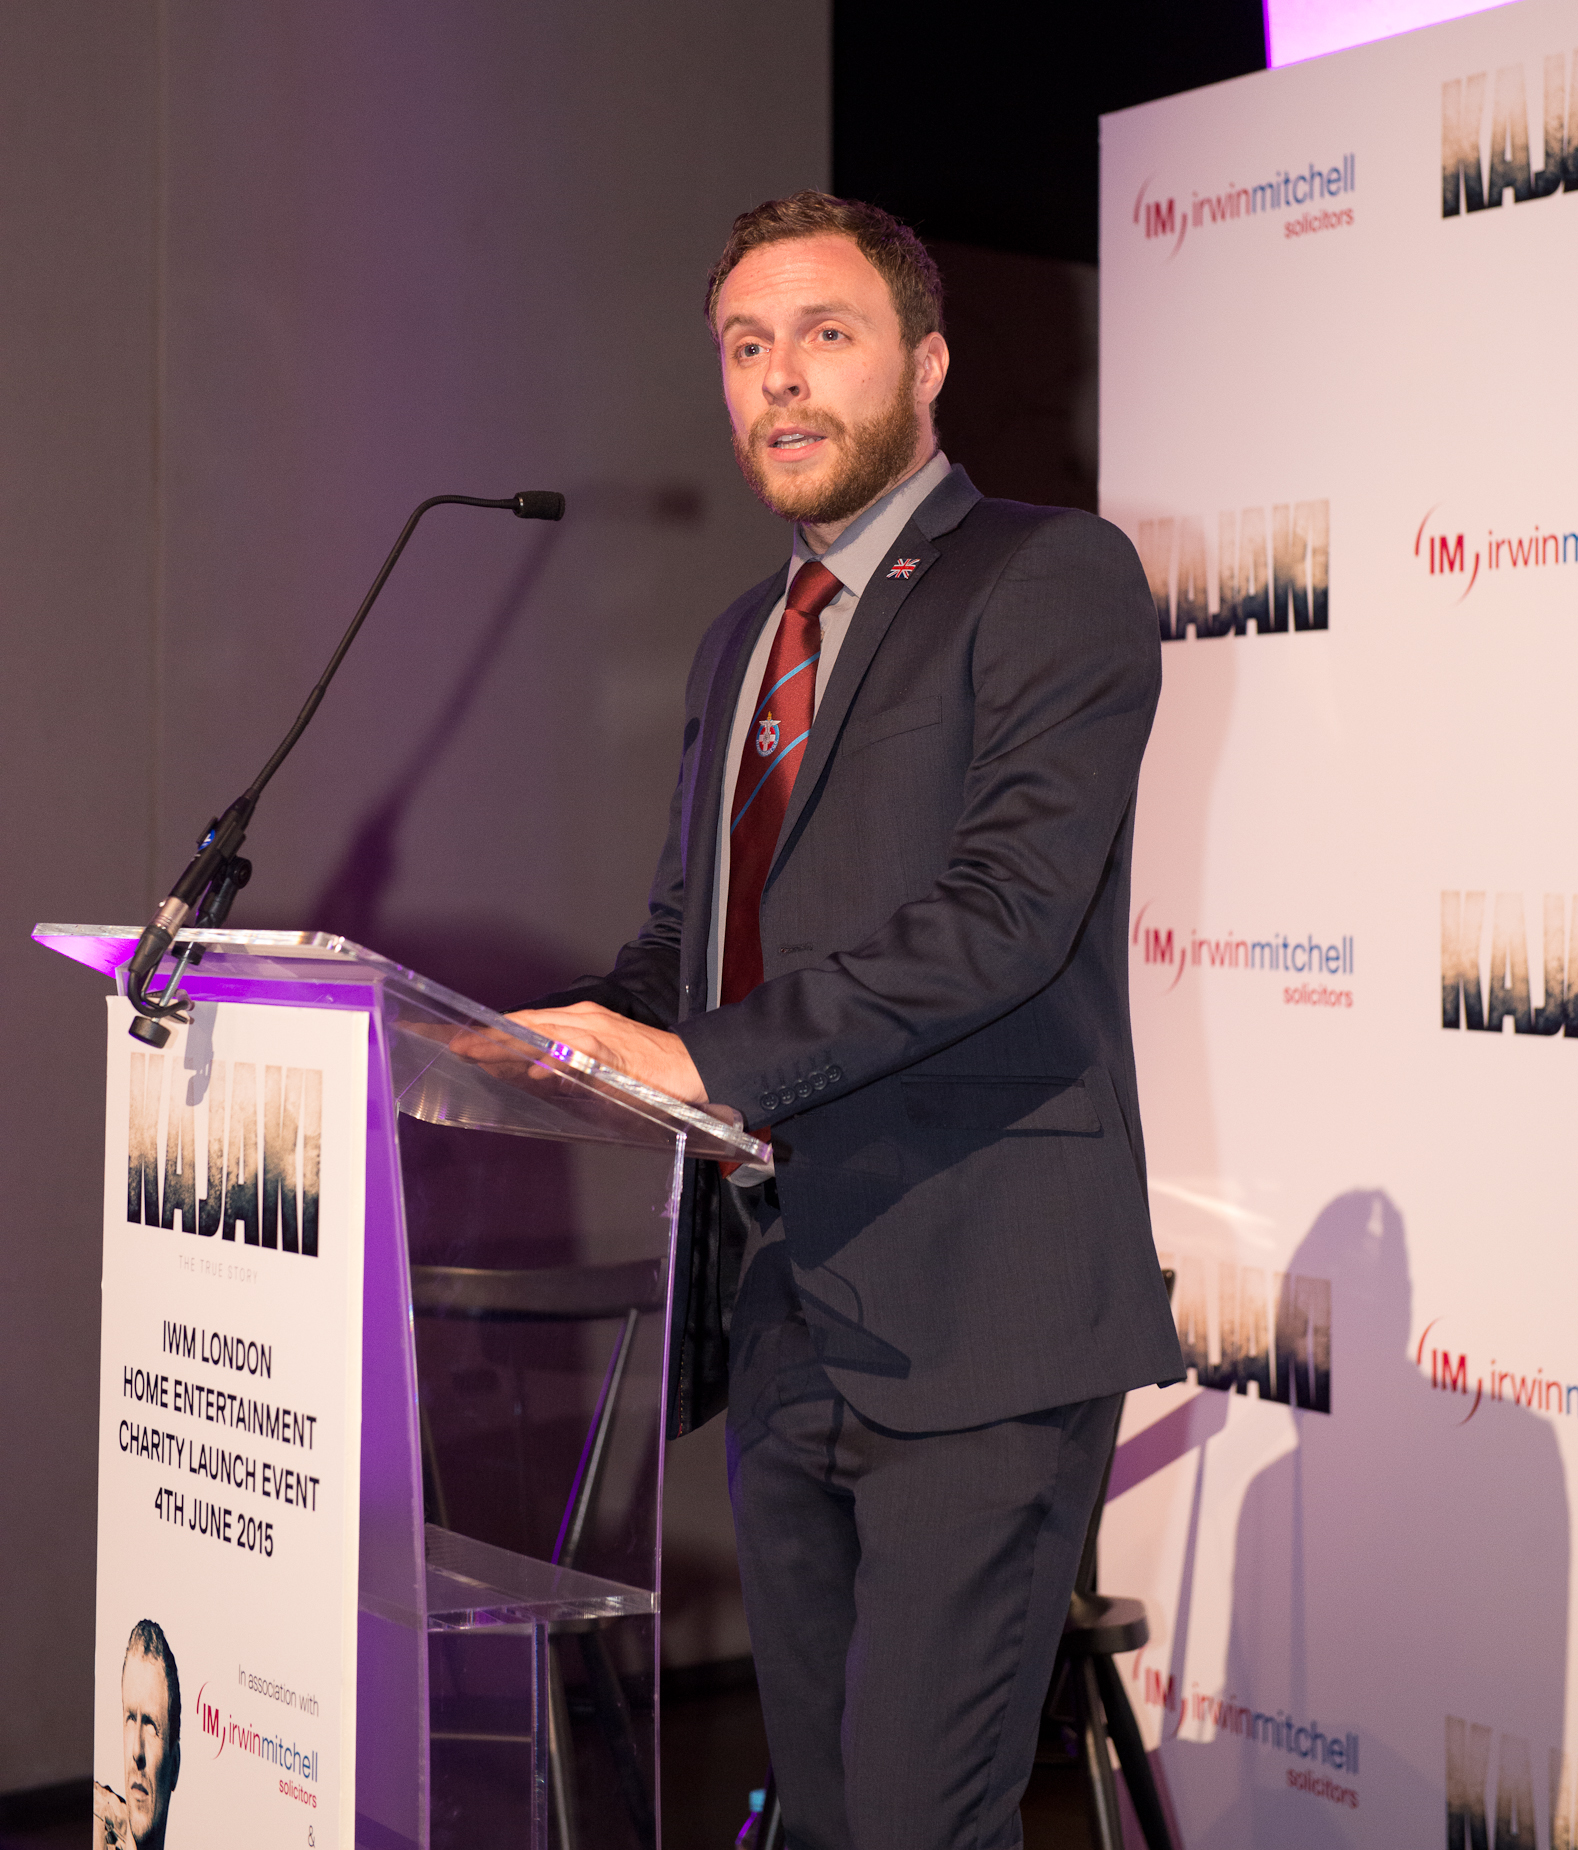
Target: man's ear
175,1765
931,367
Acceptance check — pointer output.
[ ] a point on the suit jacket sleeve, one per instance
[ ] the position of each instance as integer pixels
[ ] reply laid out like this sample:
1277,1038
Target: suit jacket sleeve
1066,671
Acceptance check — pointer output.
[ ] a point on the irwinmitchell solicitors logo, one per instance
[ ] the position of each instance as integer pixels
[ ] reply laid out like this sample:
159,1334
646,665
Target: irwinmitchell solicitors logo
1273,572
1306,963
1209,1717
1478,171
1483,999
298,1766
1272,1329
235,1145
1455,556
1451,1372
1314,196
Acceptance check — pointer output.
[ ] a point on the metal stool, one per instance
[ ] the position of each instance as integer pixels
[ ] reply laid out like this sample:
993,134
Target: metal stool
1097,1629
572,1294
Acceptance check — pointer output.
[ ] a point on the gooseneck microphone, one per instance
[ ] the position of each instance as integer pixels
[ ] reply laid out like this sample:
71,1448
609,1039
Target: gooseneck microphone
218,871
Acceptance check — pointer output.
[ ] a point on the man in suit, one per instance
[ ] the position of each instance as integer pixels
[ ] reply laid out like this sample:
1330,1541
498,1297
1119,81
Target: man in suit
889,928
151,1740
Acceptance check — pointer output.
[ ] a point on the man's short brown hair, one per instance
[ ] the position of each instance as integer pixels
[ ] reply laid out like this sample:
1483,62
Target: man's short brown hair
891,248
147,1638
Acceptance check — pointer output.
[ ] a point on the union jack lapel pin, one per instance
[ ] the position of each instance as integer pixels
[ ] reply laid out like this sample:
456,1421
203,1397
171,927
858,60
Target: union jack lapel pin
901,568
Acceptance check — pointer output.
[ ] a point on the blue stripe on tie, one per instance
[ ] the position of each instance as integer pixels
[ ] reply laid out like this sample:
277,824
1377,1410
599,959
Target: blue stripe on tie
766,774
807,663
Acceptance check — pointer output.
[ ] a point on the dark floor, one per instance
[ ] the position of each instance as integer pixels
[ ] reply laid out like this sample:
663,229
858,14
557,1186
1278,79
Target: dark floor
714,1752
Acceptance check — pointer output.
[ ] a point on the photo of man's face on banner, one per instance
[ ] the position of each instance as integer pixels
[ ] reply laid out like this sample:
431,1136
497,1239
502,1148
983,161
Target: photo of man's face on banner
150,1703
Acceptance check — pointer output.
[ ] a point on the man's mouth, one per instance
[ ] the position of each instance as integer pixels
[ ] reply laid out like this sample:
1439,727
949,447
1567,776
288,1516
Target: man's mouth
792,442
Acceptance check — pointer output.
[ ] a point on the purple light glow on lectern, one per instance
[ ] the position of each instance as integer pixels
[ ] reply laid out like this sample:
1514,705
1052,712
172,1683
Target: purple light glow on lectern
1299,29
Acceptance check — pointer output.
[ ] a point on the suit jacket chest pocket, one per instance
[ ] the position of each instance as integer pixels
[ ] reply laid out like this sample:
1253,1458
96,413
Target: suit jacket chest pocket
892,723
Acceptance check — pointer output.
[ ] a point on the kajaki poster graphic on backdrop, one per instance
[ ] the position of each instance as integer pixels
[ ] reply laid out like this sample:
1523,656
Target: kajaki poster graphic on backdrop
1337,420
229,1430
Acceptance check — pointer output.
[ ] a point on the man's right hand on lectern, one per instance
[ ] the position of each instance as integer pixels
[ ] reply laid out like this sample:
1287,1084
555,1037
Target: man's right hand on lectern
111,1825
651,1055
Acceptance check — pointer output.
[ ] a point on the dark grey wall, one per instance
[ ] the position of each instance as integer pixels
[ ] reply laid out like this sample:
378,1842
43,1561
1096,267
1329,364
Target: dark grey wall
268,276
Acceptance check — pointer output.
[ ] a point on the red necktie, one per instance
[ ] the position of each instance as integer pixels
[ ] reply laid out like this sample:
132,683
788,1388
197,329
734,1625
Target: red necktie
774,746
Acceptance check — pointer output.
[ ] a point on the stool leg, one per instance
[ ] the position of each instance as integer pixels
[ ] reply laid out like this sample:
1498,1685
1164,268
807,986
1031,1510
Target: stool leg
561,1750
1132,1756
1098,1762
613,1715
770,1832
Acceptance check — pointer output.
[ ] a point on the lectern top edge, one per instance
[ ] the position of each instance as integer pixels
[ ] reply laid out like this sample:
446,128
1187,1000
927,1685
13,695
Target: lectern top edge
277,958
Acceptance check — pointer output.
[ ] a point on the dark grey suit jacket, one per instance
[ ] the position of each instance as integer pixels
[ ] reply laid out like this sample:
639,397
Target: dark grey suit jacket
941,1046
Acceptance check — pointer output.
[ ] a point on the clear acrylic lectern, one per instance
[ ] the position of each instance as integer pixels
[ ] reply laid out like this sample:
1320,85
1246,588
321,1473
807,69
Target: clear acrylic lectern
520,1225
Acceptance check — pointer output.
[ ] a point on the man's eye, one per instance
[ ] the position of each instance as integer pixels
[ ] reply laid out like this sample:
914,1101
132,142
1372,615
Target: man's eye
830,334
749,350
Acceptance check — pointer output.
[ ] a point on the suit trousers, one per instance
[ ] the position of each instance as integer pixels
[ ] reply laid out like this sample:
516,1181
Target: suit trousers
905,1592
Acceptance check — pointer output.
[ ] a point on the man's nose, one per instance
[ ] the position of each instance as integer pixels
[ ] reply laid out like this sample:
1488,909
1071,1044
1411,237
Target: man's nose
784,379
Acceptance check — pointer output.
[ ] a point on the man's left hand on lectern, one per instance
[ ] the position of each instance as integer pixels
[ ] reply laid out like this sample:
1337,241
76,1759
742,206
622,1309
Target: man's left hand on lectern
654,1057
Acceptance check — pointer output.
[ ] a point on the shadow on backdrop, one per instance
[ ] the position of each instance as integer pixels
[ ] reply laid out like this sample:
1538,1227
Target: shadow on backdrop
1407,1560
499,965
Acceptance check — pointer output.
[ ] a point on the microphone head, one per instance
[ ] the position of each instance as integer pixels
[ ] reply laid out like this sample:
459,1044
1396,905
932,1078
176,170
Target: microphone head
538,504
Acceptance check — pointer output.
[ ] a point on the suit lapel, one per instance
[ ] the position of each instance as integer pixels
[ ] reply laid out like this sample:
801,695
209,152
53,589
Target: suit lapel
880,602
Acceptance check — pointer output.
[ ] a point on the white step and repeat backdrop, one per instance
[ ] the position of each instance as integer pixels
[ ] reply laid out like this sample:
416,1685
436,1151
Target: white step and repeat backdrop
230,1430
1339,358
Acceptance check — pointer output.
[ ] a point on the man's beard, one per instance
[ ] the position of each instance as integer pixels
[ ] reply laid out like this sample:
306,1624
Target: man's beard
873,457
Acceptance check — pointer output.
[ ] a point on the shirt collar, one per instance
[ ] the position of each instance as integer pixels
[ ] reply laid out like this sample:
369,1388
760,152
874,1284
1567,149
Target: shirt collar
863,545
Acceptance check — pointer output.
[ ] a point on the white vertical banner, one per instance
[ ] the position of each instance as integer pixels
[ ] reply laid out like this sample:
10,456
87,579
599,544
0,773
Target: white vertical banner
229,1430
1339,408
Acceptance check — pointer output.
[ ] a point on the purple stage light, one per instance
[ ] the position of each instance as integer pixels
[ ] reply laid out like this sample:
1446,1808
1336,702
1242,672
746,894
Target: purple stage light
1299,29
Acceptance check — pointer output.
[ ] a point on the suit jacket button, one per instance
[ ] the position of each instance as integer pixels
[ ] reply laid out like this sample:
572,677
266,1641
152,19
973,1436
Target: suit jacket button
769,1101
803,1090
819,1080
834,1074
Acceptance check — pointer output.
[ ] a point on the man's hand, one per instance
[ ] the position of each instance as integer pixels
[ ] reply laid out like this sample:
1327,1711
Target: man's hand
111,1826
648,1054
